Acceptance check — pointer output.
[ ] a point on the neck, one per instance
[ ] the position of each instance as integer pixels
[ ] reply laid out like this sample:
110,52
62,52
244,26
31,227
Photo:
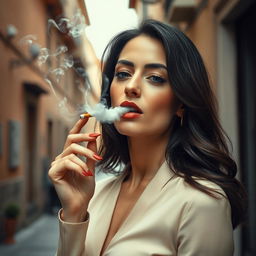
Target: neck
147,155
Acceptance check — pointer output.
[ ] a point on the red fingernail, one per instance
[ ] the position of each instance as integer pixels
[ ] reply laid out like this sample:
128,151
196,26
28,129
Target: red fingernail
95,135
97,157
85,173
89,173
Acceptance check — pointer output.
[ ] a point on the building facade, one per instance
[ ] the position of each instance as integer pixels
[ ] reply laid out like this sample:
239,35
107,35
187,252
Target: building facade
33,127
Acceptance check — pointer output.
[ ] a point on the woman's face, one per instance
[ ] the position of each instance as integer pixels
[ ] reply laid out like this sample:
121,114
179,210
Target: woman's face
141,78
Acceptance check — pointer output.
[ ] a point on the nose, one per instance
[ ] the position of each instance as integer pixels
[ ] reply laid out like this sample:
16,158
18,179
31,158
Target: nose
133,88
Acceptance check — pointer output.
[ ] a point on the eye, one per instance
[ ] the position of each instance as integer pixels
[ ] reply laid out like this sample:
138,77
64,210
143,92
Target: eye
157,79
122,75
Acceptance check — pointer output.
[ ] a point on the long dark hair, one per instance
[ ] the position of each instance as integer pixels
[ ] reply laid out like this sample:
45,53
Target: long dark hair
198,148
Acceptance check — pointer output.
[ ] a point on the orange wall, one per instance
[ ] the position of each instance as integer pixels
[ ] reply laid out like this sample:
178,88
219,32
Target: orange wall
12,93
29,17
204,35
31,20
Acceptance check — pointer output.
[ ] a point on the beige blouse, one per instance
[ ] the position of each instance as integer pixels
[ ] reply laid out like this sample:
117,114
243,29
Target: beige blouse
170,218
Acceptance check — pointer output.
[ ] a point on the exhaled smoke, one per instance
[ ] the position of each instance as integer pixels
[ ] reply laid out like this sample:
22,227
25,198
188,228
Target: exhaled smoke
74,27
44,54
57,73
103,114
67,62
51,86
100,110
60,49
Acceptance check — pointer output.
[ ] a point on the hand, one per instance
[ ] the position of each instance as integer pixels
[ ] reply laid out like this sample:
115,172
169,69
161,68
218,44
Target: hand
73,178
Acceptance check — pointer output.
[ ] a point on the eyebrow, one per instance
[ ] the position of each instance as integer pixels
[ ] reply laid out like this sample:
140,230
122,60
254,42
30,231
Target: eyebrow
150,65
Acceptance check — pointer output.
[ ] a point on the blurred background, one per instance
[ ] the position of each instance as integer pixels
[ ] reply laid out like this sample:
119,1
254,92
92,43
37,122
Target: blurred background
33,129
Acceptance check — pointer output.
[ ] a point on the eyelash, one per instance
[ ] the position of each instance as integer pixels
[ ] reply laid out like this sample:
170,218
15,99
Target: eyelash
121,76
159,79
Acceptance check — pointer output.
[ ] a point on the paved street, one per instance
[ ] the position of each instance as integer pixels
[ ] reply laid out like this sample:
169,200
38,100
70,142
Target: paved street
39,239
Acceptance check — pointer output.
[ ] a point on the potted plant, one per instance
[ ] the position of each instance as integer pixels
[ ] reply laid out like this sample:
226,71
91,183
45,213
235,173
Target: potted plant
11,213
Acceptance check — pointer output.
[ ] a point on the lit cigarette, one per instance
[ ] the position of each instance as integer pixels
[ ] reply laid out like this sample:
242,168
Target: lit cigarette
84,115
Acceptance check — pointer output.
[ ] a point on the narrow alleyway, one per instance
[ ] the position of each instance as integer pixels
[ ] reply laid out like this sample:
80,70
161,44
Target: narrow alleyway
39,239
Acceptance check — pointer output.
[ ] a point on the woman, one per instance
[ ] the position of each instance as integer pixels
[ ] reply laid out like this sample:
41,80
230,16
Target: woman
177,194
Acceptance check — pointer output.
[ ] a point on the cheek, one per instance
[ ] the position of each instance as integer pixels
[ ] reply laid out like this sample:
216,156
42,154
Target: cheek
164,103
161,111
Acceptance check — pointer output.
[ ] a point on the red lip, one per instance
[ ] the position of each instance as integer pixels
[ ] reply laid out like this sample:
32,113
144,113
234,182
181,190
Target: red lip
131,105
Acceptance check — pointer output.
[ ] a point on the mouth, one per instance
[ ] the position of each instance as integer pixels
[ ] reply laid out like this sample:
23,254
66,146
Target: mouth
134,111
132,106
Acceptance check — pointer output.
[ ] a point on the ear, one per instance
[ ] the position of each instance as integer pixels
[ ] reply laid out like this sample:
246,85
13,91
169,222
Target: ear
180,111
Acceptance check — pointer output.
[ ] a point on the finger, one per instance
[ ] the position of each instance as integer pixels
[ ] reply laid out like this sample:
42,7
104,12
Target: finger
92,146
77,138
79,150
58,171
76,160
81,163
78,125
73,158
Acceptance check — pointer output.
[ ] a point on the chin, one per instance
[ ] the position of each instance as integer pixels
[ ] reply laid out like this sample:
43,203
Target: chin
135,129
129,129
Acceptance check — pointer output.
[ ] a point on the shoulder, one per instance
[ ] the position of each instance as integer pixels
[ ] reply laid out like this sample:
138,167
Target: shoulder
199,203
191,197
205,225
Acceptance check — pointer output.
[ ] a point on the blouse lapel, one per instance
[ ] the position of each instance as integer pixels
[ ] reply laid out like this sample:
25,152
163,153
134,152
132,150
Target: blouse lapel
103,207
162,177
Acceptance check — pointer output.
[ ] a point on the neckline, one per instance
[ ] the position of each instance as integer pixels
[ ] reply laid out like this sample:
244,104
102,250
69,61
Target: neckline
156,184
